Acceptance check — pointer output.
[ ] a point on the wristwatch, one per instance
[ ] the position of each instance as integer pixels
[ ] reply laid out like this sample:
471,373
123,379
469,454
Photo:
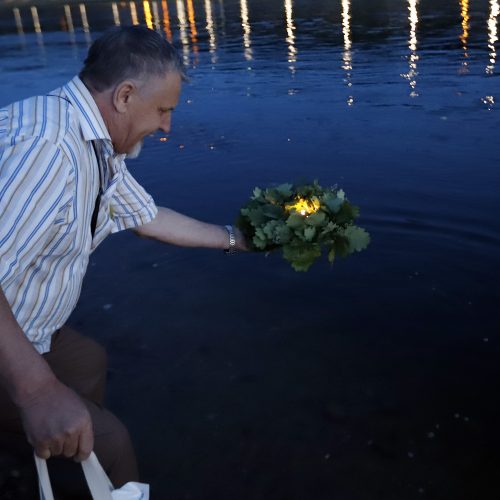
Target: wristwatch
232,239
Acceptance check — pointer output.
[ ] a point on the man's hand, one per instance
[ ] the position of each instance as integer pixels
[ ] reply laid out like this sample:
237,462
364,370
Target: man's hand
57,422
241,243
55,419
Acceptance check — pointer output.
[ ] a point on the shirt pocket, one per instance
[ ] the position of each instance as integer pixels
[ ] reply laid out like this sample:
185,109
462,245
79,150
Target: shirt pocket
64,228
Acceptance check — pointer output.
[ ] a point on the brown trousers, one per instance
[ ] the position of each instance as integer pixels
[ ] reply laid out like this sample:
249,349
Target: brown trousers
81,364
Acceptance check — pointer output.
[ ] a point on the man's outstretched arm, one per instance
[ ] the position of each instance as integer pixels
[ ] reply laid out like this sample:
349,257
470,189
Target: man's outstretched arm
55,419
178,229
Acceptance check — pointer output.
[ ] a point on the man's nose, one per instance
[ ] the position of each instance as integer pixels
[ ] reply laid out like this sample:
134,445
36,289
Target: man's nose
165,124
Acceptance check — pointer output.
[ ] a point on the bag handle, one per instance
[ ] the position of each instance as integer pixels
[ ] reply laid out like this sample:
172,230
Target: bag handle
43,479
98,482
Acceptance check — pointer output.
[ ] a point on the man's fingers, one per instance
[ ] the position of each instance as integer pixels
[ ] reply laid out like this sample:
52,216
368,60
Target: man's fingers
50,448
59,423
56,447
42,452
70,447
74,444
85,444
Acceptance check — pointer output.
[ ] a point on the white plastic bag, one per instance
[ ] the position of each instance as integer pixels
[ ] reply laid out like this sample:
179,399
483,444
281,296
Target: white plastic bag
98,482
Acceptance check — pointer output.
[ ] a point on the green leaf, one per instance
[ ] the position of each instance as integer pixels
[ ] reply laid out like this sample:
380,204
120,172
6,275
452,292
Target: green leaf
306,190
358,238
295,221
301,256
260,239
330,228
272,196
283,234
347,213
309,233
272,211
269,229
257,193
285,190
333,203
255,216
315,219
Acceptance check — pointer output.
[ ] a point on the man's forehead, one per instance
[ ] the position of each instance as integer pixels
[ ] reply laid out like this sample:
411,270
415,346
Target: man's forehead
166,85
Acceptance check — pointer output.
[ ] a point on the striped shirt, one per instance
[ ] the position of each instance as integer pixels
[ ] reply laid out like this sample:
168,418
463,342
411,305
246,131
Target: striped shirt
49,182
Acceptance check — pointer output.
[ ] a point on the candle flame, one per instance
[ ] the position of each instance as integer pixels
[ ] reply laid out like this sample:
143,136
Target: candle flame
304,206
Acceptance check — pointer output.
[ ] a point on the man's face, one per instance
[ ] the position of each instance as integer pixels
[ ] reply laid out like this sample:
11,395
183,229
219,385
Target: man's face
150,111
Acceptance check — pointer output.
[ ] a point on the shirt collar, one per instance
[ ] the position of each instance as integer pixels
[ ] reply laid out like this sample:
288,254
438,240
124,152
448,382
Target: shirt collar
92,123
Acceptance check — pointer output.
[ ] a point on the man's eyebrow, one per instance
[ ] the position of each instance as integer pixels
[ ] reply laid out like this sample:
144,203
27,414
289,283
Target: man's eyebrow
162,108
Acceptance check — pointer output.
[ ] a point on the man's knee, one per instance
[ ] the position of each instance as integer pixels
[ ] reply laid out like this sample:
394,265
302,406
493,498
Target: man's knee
83,347
79,362
113,447
118,437
99,357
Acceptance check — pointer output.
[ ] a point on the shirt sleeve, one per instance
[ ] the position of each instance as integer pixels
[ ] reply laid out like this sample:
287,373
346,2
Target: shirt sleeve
131,206
35,187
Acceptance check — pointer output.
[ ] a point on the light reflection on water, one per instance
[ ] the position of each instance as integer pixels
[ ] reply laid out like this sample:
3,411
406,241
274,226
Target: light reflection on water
290,38
492,35
200,25
116,14
347,56
465,33
211,31
412,45
247,42
181,15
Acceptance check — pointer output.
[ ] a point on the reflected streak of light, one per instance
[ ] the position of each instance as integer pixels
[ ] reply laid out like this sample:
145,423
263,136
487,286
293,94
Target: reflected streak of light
38,30
85,21
166,20
69,18
290,39
19,22
147,14
346,24
156,15
222,17
194,32
85,24
347,55
464,6
133,13
192,20
411,76
116,14
212,43
247,43
181,15
36,19
70,27
222,11
492,35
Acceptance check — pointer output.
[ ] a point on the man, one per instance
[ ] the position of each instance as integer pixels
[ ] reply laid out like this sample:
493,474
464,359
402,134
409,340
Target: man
63,188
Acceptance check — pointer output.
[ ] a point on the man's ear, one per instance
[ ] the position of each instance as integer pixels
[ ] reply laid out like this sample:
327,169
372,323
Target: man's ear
123,94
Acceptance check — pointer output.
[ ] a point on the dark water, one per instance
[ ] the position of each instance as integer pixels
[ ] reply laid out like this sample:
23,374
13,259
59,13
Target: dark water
239,378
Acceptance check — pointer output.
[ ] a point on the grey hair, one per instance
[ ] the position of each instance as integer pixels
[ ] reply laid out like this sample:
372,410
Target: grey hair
129,52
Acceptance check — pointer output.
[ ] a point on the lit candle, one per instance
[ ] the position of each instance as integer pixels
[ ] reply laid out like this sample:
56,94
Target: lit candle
303,206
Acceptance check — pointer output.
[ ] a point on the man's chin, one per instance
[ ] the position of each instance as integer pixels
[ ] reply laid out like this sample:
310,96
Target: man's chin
135,151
